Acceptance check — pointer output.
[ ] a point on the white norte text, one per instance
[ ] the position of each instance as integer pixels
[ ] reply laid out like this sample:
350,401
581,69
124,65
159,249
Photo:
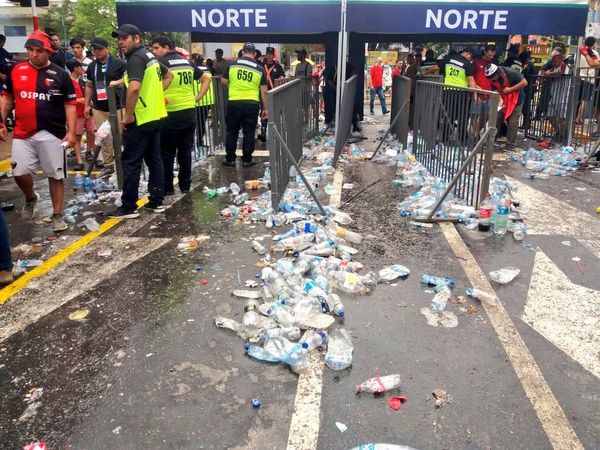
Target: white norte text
229,18
483,19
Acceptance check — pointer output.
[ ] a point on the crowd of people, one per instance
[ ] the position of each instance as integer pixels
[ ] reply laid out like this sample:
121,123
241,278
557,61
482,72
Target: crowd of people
512,79
52,98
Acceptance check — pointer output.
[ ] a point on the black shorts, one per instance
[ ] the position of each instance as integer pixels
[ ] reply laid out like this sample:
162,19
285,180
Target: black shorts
587,91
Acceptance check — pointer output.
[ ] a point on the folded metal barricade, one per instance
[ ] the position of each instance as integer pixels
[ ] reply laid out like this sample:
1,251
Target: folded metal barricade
347,112
445,143
285,138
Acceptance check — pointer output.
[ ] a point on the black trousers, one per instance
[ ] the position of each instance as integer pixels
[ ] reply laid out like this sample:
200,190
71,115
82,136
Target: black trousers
141,144
177,140
244,115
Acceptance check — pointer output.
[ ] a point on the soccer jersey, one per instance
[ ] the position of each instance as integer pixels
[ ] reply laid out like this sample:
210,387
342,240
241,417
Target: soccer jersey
40,97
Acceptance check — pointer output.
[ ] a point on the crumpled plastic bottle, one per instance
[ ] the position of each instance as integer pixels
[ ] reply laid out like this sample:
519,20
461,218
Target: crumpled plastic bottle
379,385
504,275
339,350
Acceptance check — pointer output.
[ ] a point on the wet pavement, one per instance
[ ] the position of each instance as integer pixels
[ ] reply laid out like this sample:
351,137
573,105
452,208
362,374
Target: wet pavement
148,368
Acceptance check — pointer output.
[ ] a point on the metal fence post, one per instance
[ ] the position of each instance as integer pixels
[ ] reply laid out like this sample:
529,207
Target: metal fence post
115,128
488,152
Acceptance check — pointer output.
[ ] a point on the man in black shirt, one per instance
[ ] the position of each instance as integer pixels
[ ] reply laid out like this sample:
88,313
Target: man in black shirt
58,57
105,71
274,71
510,84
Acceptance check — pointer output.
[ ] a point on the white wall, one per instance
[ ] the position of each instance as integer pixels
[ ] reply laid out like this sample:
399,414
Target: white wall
15,44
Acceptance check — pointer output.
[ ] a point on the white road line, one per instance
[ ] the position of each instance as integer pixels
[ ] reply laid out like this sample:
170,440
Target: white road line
256,153
565,313
553,419
547,215
78,274
306,419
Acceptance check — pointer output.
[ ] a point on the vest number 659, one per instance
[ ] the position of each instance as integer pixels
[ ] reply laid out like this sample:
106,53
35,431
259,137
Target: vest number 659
244,75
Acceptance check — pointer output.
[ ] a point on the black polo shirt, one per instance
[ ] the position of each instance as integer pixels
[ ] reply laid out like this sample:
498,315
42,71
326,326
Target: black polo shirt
113,69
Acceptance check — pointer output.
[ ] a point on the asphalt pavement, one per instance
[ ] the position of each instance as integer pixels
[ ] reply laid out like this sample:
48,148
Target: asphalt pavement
149,369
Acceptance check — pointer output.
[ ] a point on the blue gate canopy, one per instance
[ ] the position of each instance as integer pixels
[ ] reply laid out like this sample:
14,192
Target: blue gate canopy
467,17
232,16
545,17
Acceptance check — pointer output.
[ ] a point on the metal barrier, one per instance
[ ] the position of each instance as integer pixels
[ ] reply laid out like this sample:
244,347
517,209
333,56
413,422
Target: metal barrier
210,120
585,128
344,127
399,125
401,108
284,138
445,141
550,108
311,101
115,129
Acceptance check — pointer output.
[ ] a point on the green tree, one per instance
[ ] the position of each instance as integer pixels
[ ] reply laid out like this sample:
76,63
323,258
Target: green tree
94,18
59,19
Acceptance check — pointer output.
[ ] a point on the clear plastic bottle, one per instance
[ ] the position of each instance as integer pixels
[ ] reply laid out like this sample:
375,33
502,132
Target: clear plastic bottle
483,296
260,353
432,280
313,339
501,220
343,233
259,248
485,213
314,290
339,350
78,185
234,188
440,300
292,333
241,198
292,354
336,305
393,271
379,385
251,318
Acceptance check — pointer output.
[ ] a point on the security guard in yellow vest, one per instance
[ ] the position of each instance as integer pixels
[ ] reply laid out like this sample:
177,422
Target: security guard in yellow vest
247,82
177,130
145,80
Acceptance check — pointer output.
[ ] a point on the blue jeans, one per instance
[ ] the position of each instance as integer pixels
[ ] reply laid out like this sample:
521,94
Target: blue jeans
380,94
5,258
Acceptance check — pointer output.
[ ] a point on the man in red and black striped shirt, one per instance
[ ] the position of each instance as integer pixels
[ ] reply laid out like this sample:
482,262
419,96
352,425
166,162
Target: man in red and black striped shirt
44,100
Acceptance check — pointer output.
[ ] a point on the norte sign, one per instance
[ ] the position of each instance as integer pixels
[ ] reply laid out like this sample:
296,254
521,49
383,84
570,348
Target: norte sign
237,16
564,17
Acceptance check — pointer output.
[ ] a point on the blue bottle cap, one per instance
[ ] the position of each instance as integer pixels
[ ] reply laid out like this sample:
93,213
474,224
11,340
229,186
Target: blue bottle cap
255,403
304,345
246,346
341,313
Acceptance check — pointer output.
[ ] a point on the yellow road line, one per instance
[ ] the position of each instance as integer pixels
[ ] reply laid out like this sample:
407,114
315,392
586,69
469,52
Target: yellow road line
553,419
5,165
20,283
82,172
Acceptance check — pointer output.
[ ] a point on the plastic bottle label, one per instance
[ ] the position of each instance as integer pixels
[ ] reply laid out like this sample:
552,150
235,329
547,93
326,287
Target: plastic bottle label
485,213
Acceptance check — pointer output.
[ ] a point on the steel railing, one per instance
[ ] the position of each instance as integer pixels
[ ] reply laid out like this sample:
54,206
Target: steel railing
285,138
311,101
346,116
445,139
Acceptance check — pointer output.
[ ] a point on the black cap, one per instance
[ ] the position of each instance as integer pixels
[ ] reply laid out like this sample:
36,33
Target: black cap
72,64
302,50
270,51
219,50
126,30
99,43
249,47
468,50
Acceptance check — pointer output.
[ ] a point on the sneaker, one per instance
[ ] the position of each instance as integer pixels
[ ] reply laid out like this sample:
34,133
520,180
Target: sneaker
6,277
248,163
154,207
385,112
106,172
78,167
99,165
169,192
30,207
122,213
58,224
185,191
7,206
229,163
261,137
